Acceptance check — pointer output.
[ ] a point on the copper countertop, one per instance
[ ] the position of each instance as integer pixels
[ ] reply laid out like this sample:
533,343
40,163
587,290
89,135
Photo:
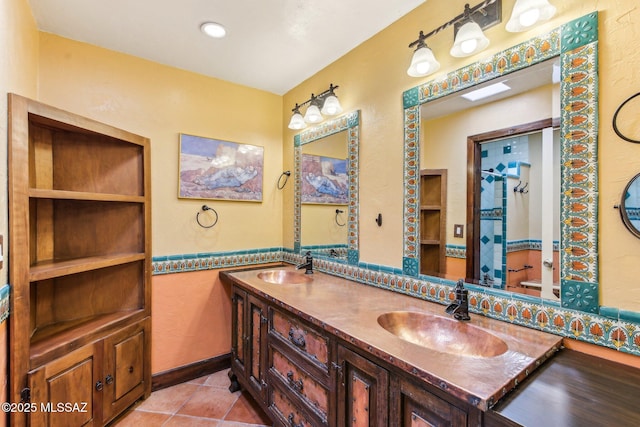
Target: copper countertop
350,311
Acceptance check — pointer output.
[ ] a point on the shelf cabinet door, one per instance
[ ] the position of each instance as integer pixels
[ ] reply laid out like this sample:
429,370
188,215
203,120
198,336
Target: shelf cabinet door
363,391
124,378
66,391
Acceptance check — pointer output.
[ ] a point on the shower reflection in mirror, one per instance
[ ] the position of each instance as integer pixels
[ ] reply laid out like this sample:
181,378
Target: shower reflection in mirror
519,212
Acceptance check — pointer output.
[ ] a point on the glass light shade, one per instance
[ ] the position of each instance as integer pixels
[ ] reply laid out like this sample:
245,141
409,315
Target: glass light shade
527,13
313,114
423,63
331,106
297,122
469,40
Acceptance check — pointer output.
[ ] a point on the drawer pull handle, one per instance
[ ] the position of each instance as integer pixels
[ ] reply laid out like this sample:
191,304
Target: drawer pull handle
131,369
298,341
99,386
296,385
109,379
293,423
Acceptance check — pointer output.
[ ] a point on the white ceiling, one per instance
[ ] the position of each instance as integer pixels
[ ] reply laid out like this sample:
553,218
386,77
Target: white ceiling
272,45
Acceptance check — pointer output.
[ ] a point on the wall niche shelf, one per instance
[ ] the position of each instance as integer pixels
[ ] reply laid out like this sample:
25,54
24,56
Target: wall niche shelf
433,215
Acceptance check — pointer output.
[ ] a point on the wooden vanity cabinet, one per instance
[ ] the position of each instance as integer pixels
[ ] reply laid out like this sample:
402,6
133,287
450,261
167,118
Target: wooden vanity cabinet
413,406
300,371
249,337
80,265
314,378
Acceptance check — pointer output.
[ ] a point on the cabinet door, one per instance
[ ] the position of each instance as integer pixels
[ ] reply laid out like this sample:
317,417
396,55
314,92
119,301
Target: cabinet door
238,333
66,392
363,391
413,406
257,345
124,368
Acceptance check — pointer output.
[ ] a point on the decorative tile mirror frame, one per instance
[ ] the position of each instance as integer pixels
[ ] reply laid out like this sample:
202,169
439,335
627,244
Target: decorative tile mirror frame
351,123
576,43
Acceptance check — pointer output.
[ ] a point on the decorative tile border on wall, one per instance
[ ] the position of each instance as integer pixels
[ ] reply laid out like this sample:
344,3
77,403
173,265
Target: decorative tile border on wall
613,328
4,303
214,260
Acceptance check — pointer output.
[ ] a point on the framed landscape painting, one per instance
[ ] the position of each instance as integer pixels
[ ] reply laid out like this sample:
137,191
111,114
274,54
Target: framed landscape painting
324,180
216,169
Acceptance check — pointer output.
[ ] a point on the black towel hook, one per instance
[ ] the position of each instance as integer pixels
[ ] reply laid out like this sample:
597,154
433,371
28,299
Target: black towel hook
204,209
339,211
517,187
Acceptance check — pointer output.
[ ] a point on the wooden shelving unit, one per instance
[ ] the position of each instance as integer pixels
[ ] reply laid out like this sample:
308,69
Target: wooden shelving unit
433,215
80,264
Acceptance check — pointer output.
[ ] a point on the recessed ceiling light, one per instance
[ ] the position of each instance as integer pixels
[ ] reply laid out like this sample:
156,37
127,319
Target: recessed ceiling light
486,91
213,29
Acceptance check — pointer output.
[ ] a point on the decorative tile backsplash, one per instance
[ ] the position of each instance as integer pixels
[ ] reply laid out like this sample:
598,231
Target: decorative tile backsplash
4,303
613,328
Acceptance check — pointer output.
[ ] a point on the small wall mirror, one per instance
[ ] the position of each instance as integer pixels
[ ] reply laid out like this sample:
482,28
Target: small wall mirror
326,189
630,206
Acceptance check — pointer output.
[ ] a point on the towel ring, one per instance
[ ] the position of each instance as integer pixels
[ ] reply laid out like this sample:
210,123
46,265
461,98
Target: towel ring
286,175
615,121
204,209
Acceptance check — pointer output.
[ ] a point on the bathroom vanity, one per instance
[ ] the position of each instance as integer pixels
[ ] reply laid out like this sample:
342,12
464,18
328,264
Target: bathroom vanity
319,350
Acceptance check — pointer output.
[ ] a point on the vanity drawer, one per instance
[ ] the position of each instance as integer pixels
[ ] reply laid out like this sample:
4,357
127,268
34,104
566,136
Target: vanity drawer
285,412
306,340
293,377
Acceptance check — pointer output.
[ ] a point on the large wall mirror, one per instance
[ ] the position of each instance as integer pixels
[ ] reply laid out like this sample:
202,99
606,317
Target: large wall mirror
520,167
326,189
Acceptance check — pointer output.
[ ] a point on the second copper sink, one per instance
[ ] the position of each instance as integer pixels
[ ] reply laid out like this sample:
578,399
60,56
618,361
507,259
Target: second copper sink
442,334
284,277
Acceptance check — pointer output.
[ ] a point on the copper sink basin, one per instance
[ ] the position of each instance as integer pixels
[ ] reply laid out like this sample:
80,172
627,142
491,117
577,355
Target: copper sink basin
442,334
284,277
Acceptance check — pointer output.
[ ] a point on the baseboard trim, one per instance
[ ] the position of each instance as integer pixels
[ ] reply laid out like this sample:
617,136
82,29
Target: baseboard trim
189,372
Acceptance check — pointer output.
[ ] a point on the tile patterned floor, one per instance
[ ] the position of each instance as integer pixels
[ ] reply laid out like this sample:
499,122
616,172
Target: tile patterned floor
203,402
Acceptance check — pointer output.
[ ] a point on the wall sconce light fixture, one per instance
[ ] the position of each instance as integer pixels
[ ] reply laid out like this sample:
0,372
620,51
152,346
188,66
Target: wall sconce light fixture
326,103
527,13
469,38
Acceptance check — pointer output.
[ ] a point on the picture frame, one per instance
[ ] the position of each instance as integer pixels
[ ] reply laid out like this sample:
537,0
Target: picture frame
324,180
217,169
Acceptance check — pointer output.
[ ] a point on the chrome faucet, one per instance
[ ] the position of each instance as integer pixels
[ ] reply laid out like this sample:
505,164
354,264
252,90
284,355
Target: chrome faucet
307,264
460,307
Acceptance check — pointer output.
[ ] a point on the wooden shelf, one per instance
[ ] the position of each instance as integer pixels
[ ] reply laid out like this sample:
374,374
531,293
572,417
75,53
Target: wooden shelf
55,340
38,193
433,213
433,242
79,265
51,269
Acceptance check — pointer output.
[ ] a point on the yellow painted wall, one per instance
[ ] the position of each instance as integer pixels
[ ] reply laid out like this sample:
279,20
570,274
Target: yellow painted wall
372,78
18,71
161,102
